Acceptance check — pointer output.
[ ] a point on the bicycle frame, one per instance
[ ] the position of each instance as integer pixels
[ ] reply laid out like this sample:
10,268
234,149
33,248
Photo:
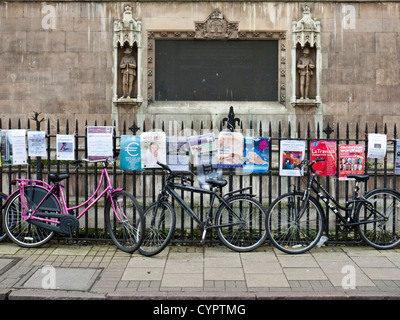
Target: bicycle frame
57,187
326,197
170,188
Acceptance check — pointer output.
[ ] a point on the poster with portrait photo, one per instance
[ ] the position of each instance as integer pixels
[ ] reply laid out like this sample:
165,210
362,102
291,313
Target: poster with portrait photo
153,148
291,155
351,160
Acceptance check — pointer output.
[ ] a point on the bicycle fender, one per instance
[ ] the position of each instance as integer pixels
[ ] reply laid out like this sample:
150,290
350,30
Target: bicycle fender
116,190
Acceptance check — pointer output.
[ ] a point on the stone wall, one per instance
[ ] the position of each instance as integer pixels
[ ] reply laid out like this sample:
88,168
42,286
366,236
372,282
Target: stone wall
57,58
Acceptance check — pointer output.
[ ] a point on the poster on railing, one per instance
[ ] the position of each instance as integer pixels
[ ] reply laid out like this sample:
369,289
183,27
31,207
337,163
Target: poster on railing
65,147
377,144
256,155
351,160
325,150
202,143
397,158
153,148
291,155
178,153
100,144
130,157
230,150
37,144
13,147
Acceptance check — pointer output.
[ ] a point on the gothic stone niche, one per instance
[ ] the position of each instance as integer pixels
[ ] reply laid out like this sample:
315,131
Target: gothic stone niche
127,59
306,61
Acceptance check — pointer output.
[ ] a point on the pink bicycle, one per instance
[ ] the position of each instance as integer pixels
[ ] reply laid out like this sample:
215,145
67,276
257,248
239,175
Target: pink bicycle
36,210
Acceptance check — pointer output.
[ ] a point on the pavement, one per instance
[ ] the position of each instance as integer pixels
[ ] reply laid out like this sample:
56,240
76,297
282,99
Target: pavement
102,272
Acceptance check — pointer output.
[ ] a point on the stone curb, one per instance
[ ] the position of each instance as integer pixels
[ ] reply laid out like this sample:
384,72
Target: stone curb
193,296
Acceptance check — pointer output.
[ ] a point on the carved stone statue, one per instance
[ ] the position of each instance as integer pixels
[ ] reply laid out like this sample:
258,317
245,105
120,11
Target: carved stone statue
305,67
127,66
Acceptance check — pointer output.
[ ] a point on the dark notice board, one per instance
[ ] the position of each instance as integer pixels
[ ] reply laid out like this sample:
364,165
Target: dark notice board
216,70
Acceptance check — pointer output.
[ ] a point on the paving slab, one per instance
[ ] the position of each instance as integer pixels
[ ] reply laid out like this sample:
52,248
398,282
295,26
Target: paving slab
60,278
194,272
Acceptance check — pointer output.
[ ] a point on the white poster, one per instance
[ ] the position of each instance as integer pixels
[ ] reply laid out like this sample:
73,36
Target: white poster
99,141
397,161
291,155
153,148
37,144
19,146
65,147
377,144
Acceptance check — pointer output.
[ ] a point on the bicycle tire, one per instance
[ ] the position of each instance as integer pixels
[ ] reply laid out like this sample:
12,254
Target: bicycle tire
160,221
245,228
126,231
21,231
288,235
3,233
384,234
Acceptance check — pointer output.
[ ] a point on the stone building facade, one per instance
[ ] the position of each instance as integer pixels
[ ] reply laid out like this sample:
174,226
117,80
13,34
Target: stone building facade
62,59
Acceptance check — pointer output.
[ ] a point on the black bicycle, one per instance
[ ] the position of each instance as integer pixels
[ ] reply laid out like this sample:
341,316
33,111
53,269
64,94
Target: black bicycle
238,219
296,220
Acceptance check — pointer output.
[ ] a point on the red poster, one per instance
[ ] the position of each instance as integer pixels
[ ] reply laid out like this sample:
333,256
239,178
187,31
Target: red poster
351,160
324,150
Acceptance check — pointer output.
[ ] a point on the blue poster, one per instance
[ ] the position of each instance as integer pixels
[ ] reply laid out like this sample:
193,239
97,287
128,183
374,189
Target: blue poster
130,153
256,155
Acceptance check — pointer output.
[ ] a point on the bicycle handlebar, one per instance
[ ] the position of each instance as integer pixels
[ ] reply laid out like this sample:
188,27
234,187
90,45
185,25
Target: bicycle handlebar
311,163
173,174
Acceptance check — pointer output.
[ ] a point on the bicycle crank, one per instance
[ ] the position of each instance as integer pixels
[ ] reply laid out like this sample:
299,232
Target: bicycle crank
68,224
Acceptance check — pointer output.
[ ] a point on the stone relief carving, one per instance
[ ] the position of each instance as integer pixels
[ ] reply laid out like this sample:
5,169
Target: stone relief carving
216,27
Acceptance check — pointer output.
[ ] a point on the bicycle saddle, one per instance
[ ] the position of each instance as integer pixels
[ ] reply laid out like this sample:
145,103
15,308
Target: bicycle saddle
58,177
217,183
359,177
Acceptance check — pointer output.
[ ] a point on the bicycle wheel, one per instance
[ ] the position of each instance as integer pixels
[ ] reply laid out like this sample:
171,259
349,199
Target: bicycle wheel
21,231
380,223
160,227
3,233
124,221
294,226
242,225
